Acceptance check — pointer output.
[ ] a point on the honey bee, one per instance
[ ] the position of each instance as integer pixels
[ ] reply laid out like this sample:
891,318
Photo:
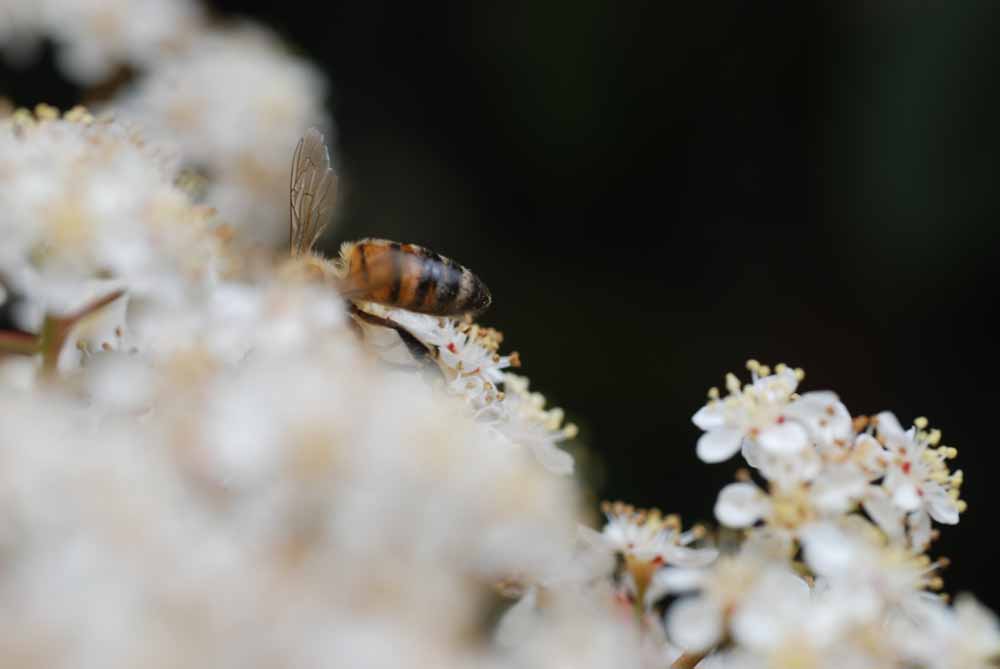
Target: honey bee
404,276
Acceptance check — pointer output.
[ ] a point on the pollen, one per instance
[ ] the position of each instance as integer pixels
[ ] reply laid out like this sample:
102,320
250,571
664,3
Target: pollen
44,112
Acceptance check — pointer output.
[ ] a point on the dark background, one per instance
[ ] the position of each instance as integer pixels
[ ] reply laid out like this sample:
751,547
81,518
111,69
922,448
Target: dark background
655,194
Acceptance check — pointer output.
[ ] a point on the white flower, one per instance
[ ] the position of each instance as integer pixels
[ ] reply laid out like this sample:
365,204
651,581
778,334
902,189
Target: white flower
917,486
649,544
90,200
234,102
699,621
834,491
472,367
757,411
825,418
966,636
94,38
875,580
648,536
917,476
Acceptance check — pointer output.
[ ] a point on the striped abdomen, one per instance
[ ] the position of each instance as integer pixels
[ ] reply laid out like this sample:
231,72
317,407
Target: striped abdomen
410,277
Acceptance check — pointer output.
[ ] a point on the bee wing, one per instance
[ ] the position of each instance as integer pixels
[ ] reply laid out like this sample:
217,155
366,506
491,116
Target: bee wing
311,192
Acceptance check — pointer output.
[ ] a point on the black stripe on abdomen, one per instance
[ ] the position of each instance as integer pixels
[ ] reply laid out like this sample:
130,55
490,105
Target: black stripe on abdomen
430,275
397,271
447,287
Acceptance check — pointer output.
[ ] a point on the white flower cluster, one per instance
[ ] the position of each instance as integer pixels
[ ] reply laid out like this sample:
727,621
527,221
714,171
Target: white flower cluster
95,37
229,99
233,101
208,462
819,463
472,368
829,569
218,472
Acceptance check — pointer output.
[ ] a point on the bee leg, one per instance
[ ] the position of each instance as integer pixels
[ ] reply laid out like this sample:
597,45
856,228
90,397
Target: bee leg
421,352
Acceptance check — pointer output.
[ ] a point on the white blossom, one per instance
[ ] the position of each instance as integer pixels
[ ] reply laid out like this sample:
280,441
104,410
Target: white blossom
211,459
917,481
92,37
756,411
232,102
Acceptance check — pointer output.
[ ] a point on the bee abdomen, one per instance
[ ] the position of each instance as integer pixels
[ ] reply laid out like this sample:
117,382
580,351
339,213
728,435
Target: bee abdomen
414,278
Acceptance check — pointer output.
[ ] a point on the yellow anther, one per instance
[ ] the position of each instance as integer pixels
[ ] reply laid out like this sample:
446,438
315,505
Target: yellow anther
920,422
934,438
950,452
780,368
713,393
764,370
800,374
78,114
44,112
958,477
753,365
953,494
962,505
732,383
935,583
22,117
571,430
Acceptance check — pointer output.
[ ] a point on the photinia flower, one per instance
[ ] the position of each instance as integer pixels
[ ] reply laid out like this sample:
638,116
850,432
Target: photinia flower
756,411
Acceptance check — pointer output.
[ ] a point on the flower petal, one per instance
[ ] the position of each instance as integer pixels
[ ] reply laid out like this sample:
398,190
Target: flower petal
824,415
710,416
886,515
741,505
941,506
683,556
828,550
553,458
787,437
679,579
694,624
719,445
905,496
920,530
889,427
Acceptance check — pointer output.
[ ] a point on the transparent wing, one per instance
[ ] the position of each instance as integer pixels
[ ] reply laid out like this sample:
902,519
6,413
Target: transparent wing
312,189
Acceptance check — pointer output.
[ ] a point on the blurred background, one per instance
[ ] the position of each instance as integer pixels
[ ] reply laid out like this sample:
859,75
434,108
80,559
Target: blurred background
656,193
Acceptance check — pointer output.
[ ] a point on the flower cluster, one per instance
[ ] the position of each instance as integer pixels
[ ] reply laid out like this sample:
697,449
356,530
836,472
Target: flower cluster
218,468
210,459
94,39
228,99
833,569
821,564
819,463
